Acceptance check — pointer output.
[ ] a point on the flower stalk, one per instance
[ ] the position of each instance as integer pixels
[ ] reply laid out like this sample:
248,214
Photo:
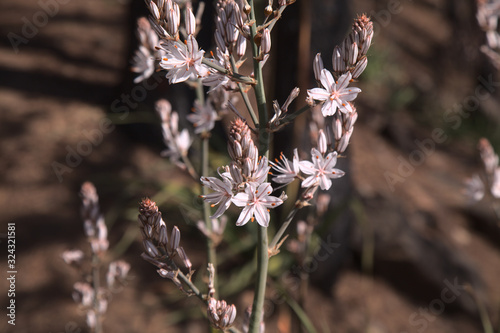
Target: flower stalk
262,240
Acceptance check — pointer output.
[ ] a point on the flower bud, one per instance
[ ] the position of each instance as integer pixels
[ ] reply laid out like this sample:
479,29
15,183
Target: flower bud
360,67
190,22
265,43
318,66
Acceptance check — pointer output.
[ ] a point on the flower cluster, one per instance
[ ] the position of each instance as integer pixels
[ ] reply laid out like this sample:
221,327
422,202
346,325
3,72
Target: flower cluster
93,221
349,61
220,314
243,181
475,186
203,117
177,143
90,294
319,171
162,46
488,12
230,32
160,249
144,61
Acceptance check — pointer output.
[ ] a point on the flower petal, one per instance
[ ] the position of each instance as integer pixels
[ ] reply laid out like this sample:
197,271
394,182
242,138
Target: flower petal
245,215
262,215
327,80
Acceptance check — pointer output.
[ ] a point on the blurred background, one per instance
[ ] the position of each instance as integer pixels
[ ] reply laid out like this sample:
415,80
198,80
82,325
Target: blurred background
408,237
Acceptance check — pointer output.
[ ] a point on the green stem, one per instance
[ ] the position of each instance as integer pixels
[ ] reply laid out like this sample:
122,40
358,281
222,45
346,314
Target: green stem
234,76
301,314
244,95
96,285
262,241
191,286
205,169
211,251
283,228
291,116
189,167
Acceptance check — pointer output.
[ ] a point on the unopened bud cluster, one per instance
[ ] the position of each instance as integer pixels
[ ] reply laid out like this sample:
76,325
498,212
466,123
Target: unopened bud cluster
230,33
220,314
160,249
165,17
350,56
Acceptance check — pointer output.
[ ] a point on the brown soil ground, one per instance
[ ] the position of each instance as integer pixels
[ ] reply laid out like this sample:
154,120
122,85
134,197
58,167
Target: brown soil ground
55,92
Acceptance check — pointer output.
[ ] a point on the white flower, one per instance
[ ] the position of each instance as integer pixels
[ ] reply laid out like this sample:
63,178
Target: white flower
203,118
183,142
335,94
256,200
495,185
474,188
259,174
143,64
73,257
222,195
144,60
183,60
216,79
288,170
321,170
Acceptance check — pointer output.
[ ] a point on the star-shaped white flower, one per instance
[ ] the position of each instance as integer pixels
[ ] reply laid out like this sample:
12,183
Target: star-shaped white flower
321,170
335,94
222,195
215,79
203,118
260,173
287,170
183,60
256,200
